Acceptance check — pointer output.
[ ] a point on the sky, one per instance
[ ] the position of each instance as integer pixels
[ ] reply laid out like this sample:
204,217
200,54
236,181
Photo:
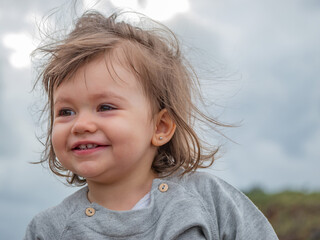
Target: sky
259,62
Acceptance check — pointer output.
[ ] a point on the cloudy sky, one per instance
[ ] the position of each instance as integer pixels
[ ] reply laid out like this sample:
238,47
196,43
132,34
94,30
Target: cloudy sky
260,61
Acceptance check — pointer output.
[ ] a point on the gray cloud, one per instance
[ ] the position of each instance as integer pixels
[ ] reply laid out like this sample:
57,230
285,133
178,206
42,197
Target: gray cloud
275,48
272,45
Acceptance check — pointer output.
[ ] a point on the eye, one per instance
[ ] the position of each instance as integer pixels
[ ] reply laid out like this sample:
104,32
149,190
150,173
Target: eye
65,112
105,107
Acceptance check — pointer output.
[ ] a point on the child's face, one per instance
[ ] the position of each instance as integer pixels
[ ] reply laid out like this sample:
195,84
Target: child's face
102,128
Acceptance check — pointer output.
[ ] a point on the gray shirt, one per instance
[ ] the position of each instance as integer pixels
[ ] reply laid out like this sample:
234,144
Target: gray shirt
196,206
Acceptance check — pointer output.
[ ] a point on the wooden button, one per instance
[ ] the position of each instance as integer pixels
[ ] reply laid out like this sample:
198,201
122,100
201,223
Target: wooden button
163,187
90,211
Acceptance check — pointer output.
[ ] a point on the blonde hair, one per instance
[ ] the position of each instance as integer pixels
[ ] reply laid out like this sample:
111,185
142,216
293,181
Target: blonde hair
155,58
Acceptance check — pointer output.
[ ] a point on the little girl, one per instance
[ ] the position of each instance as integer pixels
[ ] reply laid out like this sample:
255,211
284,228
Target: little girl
121,104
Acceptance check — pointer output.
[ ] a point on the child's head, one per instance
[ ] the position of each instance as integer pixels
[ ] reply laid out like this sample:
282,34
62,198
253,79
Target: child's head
153,59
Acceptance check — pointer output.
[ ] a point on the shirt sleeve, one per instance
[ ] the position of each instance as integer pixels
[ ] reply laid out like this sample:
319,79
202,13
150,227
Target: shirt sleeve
233,215
191,233
45,225
239,218
245,221
32,233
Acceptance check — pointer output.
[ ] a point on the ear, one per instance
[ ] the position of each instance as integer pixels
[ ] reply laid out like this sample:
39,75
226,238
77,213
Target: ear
164,129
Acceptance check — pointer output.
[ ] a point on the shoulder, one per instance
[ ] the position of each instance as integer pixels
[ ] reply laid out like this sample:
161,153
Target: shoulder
52,221
215,194
237,217
207,186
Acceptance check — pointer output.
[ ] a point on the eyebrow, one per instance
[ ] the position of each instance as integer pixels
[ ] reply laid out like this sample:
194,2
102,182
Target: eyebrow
96,96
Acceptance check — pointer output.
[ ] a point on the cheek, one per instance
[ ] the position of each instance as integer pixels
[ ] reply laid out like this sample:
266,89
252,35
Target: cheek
133,138
58,139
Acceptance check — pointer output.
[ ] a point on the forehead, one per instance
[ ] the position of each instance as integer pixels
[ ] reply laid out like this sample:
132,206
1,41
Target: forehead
98,76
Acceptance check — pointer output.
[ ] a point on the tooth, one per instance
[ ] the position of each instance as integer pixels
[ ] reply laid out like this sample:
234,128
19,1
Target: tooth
89,145
82,147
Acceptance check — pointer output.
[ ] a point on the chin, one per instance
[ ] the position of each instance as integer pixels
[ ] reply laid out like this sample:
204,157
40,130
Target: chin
88,173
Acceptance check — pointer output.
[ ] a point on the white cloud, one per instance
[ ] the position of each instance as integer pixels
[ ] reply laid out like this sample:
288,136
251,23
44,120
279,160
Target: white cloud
21,46
158,10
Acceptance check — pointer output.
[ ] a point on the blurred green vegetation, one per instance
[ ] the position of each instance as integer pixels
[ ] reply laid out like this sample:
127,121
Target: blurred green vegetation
293,215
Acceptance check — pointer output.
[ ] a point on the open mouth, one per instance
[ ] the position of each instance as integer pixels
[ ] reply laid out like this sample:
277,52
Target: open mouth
87,146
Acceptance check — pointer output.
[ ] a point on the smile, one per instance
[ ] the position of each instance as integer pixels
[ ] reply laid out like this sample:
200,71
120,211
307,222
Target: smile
86,146
88,149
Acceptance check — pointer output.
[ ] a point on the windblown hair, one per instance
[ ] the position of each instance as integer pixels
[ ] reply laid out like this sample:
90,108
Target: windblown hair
154,57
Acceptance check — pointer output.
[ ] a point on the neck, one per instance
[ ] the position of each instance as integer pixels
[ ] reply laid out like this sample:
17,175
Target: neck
123,195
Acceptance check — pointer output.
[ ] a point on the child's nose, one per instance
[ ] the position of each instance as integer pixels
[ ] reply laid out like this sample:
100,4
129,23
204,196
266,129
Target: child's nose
84,123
